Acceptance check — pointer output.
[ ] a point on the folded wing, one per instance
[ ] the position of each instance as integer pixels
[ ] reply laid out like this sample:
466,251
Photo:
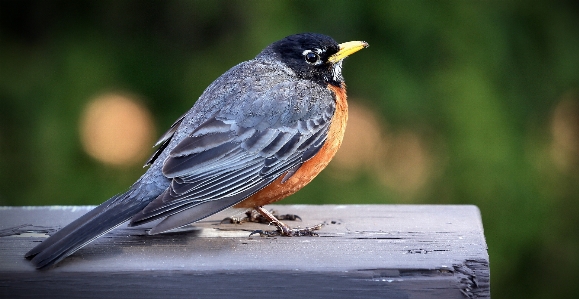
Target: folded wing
226,159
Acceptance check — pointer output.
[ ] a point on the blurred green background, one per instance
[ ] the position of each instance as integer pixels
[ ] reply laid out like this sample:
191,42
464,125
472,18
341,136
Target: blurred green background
460,102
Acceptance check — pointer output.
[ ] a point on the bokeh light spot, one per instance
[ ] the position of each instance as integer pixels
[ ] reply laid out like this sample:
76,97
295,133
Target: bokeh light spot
399,160
362,140
117,129
565,132
405,166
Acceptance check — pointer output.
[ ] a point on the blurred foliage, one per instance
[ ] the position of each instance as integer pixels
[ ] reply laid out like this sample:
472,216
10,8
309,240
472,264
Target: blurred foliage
478,81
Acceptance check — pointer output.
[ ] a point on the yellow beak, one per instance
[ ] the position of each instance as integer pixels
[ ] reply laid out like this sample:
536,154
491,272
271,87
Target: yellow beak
347,49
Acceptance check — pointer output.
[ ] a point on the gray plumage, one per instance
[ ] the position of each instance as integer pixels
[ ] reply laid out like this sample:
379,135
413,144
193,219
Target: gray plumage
258,121
246,143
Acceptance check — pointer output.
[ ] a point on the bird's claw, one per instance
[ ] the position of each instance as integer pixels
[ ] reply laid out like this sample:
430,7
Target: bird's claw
253,216
291,217
285,231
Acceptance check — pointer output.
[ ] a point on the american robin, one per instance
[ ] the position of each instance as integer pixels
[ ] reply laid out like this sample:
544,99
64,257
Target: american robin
259,133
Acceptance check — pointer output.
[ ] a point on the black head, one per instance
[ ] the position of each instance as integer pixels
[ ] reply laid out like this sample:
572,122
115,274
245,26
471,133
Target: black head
308,55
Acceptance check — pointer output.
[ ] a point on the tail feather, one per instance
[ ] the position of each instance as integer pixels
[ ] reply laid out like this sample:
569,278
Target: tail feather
87,228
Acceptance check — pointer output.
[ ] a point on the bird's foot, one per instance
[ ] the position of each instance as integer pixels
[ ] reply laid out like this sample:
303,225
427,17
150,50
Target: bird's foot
282,228
286,231
255,216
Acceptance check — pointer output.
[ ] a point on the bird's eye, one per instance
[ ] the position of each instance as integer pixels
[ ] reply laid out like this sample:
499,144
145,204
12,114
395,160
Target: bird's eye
312,57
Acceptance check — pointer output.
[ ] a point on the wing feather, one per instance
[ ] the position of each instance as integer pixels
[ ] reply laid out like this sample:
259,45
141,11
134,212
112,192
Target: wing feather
234,154
164,141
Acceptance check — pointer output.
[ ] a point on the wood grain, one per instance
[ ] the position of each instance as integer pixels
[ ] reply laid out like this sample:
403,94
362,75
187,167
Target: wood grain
363,251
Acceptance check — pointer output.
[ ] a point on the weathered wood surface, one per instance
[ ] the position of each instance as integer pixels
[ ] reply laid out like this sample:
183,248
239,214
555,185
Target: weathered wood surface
363,251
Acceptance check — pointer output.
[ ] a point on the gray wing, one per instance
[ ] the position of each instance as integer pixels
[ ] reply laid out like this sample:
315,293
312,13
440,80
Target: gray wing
238,152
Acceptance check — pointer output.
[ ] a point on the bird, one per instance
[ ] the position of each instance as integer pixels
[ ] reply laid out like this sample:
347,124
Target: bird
257,134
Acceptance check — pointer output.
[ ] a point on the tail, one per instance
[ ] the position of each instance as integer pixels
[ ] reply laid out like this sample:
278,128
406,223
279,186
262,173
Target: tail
88,227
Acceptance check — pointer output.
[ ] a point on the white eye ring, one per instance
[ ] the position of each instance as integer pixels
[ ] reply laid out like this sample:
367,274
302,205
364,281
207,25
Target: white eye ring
312,57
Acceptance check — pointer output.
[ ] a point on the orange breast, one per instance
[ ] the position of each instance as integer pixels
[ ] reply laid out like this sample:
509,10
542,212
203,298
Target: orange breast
311,168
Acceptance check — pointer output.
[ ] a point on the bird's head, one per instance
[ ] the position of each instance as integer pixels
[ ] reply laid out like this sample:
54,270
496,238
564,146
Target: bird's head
313,56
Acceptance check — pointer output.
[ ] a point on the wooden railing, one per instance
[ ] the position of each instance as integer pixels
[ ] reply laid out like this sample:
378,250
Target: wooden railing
362,251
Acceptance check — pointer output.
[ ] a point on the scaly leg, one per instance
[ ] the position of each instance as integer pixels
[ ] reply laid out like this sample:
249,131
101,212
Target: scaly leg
282,228
254,216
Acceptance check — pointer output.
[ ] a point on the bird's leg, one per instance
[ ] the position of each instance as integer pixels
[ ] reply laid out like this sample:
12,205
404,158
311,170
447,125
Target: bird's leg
282,228
254,216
